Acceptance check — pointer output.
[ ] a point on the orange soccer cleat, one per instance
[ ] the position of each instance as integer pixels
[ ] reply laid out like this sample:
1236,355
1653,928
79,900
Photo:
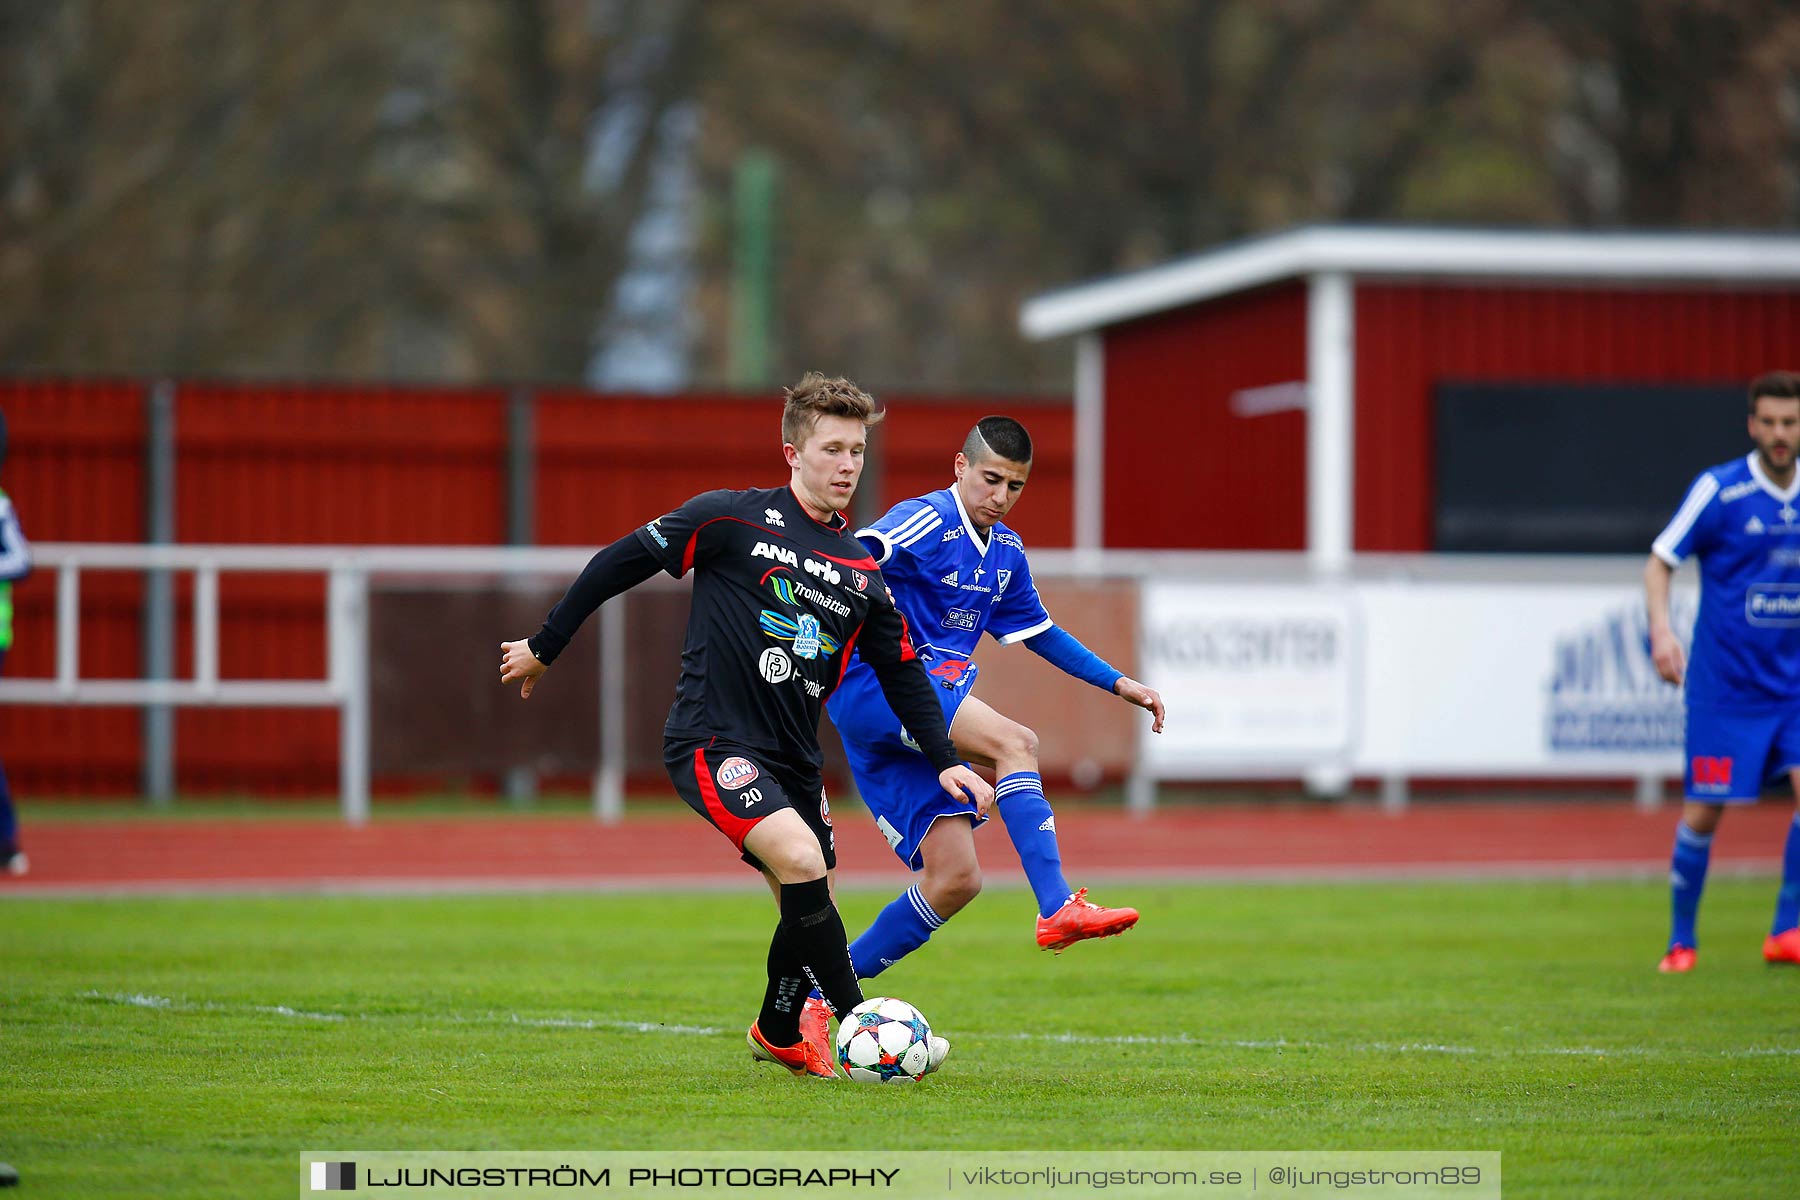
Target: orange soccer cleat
1677,960
801,1058
1783,947
1077,920
815,1027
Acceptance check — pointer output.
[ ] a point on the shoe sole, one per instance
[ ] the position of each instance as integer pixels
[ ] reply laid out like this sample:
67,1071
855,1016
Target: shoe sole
760,1053
1064,944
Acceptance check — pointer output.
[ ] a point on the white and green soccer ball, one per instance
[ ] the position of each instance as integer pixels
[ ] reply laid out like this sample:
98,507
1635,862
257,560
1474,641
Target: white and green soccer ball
883,1040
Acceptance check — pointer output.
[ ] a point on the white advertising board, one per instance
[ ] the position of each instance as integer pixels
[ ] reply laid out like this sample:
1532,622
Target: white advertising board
1409,678
1547,679
1258,678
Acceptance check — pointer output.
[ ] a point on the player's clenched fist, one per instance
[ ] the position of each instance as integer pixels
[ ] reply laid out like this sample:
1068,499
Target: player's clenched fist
518,662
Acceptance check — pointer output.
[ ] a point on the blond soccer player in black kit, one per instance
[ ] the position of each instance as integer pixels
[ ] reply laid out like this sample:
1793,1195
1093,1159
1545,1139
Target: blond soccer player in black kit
782,594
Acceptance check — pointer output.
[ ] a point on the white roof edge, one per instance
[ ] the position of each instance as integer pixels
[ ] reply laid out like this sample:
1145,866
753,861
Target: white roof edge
1496,254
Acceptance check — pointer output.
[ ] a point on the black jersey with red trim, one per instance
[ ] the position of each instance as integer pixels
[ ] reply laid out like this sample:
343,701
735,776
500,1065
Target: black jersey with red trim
780,602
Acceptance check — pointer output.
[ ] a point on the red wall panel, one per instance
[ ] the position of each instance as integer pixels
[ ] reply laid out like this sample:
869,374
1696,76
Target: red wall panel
607,463
316,465
1410,337
74,472
1183,470
340,465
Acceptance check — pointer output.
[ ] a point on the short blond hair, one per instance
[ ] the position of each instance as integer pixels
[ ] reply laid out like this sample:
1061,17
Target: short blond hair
818,396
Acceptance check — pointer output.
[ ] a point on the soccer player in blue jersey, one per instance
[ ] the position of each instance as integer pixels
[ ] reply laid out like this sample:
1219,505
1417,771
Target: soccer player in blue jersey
1743,682
957,571
15,563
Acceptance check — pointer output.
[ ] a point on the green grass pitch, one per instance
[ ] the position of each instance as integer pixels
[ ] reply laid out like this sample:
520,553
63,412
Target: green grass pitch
194,1046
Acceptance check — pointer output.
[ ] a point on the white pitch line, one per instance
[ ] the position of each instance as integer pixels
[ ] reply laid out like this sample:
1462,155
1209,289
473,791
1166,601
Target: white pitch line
140,1000
625,1026
165,1003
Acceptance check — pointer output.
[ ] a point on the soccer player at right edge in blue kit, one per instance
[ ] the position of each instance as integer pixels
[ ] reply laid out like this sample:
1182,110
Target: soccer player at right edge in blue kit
1743,684
956,571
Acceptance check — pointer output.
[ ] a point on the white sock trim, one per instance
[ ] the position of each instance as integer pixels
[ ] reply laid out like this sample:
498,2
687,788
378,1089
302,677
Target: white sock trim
923,907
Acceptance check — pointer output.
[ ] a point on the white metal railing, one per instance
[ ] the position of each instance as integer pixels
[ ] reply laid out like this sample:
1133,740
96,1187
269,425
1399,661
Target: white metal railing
1365,584
345,686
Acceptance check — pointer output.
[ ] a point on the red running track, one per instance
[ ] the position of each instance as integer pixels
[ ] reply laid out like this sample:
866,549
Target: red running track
677,849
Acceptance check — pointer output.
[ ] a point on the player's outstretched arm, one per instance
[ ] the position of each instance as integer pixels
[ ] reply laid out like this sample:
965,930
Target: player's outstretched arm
1665,647
1133,692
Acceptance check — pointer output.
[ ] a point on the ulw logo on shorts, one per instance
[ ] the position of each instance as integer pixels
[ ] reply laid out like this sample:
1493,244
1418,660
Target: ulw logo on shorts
1711,771
734,773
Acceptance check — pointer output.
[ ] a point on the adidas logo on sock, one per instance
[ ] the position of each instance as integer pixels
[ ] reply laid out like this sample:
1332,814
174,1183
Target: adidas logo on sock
1049,824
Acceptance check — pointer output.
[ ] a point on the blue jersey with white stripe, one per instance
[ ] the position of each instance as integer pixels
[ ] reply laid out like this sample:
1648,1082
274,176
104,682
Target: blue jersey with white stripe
1746,533
951,581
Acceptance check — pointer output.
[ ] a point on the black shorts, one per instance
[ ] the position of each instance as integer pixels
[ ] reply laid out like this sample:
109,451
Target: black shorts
735,787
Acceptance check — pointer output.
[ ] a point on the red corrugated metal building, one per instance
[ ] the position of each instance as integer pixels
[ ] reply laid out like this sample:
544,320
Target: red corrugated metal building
1277,394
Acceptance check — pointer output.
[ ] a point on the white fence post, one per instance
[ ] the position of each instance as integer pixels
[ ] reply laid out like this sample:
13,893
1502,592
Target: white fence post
68,614
206,628
609,778
350,675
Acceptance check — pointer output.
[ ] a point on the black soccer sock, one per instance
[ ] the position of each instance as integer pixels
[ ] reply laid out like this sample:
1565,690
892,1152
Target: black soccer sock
816,932
779,1019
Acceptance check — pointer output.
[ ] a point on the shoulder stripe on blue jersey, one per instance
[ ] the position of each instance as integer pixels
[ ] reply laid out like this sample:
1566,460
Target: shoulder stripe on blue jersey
1704,489
920,532
880,538
905,527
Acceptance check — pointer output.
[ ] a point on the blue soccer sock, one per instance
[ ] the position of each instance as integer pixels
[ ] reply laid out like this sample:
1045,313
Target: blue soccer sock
902,927
1032,827
1687,879
9,822
1787,901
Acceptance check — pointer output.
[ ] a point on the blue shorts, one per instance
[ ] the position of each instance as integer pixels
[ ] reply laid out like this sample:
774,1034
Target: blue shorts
1733,753
897,783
